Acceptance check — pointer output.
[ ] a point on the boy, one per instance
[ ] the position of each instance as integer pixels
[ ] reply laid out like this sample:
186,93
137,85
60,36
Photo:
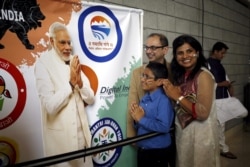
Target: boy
153,114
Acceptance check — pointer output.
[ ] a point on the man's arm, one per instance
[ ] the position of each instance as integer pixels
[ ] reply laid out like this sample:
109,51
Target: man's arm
51,99
135,91
86,91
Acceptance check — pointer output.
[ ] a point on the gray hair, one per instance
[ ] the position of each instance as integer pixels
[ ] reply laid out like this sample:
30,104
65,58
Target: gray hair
56,26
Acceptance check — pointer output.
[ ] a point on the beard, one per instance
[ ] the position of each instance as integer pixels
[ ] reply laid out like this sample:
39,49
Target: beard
65,56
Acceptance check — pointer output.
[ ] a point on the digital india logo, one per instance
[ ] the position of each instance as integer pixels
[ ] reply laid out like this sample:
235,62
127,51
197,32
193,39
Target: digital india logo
99,33
106,131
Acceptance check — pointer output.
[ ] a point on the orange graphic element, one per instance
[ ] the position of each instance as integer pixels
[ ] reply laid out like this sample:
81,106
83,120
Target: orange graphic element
57,10
91,76
99,19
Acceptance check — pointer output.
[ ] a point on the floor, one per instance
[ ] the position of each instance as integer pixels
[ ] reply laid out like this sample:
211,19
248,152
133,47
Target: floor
238,140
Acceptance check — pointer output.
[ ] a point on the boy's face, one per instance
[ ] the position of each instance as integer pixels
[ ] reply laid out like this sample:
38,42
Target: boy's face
148,81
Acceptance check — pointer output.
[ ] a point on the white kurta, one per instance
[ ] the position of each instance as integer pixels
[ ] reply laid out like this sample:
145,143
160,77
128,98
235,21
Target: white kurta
62,109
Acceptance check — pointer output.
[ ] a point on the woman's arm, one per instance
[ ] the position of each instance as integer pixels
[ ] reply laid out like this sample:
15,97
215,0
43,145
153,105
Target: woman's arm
205,96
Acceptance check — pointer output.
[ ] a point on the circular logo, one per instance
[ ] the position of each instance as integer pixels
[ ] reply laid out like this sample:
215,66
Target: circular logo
106,131
99,33
12,101
8,153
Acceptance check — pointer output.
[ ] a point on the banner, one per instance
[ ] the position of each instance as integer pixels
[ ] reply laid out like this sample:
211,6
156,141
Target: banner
108,41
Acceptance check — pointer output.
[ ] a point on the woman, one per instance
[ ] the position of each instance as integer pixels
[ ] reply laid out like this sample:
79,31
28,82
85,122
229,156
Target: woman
193,89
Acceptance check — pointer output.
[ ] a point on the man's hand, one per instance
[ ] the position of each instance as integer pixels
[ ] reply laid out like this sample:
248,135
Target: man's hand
75,72
224,83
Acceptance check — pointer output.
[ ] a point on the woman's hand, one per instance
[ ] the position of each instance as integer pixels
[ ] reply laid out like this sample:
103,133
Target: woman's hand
174,92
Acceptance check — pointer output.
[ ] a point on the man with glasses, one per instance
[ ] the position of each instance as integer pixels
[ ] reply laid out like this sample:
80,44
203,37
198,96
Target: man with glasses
64,90
156,48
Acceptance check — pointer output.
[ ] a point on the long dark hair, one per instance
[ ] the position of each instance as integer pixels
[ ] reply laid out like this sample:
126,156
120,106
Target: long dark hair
179,71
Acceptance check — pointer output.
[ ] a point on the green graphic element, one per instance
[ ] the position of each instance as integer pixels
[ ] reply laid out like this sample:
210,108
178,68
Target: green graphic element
1,102
117,110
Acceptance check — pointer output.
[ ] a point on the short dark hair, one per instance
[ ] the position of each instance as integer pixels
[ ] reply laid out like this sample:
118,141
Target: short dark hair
159,70
163,38
219,46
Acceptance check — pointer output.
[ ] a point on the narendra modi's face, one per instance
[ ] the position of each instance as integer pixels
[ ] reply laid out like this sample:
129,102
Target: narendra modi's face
62,44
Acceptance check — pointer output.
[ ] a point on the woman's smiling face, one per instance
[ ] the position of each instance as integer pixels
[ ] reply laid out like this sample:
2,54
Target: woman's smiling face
186,56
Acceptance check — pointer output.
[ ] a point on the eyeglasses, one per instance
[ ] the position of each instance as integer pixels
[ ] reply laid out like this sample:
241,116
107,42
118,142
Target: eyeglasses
153,48
146,77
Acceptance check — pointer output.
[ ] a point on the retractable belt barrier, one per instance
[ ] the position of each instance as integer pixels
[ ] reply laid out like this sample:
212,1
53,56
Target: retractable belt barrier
84,152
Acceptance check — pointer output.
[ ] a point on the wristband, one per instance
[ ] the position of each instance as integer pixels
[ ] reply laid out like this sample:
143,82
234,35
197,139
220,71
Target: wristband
179,100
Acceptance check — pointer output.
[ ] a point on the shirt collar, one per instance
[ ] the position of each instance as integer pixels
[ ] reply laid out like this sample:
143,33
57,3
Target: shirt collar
153,95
